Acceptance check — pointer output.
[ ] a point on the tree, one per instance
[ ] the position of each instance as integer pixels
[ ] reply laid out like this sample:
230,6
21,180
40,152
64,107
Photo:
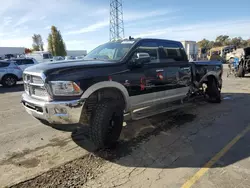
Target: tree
50,45
204,43
236,41
248,42
27,50
222,40
56,44
37,42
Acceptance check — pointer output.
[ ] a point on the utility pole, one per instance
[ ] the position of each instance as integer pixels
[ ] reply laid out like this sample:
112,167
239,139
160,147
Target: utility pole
116,26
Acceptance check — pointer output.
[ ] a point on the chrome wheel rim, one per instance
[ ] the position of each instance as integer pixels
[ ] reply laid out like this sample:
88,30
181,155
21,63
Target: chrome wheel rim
10,81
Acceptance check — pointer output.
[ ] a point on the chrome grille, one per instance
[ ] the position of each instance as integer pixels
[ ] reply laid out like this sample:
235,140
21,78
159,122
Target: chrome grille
34,86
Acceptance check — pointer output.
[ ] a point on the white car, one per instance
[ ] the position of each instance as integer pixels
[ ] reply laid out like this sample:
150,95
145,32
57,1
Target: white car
79,57
10,73
40,56
23,63
69,58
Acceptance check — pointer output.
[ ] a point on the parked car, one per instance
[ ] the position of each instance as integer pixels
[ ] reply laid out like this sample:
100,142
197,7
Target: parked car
115,82
40,56
10,73
58,58
69,58
243,54
79,57
24,63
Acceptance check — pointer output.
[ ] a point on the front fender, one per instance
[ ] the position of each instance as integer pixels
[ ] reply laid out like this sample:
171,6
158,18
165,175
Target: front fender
108,84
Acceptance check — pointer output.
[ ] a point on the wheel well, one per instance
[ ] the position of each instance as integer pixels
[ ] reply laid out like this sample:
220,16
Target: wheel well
105,93
210,79
10,75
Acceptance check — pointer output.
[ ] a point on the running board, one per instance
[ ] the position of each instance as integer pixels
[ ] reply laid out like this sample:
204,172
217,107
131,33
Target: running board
153,110
160,108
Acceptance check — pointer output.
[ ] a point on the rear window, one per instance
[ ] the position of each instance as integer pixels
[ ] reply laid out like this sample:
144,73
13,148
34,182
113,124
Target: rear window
27,61
4,64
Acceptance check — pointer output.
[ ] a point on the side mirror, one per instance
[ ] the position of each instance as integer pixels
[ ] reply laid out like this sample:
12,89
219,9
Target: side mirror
140,58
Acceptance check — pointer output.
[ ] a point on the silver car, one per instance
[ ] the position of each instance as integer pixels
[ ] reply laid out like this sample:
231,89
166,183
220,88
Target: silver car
10,73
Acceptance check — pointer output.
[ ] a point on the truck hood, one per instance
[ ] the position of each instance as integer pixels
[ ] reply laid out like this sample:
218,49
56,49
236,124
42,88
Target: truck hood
50,67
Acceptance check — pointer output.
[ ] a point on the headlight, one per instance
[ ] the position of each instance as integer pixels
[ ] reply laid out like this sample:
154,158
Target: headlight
65,88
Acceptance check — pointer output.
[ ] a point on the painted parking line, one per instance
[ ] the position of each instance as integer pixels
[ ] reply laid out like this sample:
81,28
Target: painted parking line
212,161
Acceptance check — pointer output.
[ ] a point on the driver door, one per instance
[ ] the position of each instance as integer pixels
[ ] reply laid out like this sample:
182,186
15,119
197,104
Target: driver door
146,82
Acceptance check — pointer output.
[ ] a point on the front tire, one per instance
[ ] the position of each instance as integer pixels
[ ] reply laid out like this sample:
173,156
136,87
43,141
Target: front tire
106,123
9,81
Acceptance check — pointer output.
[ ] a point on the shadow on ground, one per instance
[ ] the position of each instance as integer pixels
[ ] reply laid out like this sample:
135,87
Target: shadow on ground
151,142
16,88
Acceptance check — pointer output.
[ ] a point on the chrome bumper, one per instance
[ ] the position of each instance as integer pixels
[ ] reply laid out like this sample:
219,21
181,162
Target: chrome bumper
61,112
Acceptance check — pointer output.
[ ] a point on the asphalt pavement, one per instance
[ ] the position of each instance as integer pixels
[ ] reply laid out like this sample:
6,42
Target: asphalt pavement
206,145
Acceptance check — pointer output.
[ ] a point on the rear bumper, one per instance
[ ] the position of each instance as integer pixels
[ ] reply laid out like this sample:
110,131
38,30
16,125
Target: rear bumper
63,112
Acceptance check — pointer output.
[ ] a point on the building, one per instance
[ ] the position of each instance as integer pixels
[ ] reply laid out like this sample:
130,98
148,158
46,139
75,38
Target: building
11,51
75,53
191,48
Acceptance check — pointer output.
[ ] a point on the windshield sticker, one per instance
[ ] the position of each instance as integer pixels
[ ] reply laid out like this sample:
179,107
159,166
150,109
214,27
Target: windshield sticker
127,42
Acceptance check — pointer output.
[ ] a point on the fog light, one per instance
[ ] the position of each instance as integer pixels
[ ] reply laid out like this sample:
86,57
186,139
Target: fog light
60,110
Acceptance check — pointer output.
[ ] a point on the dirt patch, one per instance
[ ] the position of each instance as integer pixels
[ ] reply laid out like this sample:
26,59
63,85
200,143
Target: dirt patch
18,158
29,163
73,174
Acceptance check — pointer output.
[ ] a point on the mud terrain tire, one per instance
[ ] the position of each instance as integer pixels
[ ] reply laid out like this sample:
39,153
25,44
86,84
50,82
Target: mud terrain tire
213,91
106,123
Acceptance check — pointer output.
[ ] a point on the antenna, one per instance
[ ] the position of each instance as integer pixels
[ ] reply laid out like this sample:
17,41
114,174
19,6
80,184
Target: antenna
116,26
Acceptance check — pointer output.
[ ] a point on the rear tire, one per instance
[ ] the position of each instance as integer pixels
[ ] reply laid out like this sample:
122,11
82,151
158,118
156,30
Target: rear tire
213,91
9,81
241,71
106,123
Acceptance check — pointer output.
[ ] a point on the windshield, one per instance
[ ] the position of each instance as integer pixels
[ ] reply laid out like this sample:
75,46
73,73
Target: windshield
110,51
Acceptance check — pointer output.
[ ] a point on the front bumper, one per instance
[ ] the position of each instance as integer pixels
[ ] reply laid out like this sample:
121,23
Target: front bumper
61,112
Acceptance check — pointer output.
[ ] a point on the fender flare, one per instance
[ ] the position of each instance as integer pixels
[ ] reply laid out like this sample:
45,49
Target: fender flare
210,73
106,85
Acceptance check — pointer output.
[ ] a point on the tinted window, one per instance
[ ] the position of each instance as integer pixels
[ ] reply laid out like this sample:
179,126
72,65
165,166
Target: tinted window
18,62
27,61
4,64
151,48
172,52
47,56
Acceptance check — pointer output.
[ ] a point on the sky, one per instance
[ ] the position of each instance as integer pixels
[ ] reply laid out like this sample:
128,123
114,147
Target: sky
84,24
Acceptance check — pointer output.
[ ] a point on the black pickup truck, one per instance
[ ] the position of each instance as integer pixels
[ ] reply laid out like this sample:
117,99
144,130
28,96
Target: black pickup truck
115,81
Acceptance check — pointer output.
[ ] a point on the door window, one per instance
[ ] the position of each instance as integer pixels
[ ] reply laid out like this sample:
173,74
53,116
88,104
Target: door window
18,62
151,48
170,52
4,64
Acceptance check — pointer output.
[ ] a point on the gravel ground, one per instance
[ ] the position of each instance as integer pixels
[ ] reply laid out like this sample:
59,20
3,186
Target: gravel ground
73,174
